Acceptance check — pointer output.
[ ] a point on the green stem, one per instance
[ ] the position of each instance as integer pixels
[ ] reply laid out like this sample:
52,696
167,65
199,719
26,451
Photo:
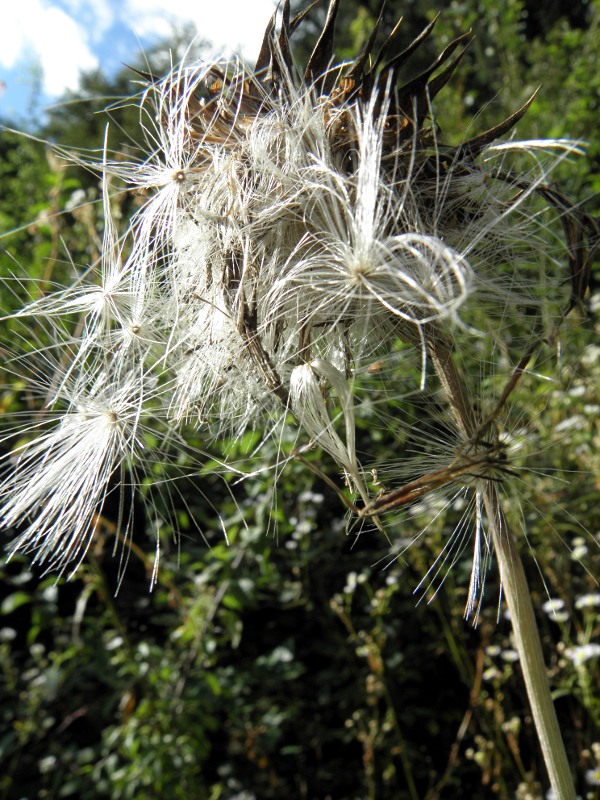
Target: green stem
529,648
514,585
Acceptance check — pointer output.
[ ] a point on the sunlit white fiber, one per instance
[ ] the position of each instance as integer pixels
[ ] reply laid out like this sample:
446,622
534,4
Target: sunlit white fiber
58,481
109,314
291,230
310,406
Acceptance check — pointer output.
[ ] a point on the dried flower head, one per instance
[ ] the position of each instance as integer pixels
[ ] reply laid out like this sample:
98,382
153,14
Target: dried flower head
297,224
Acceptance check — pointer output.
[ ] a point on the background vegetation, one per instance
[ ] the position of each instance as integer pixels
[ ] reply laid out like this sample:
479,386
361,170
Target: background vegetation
291,663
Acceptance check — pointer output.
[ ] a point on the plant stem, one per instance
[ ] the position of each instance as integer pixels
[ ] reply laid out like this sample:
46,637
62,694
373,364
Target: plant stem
514,586
529,647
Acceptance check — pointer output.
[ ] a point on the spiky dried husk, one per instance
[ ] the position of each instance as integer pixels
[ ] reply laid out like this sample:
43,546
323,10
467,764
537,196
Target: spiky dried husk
227,111
296,223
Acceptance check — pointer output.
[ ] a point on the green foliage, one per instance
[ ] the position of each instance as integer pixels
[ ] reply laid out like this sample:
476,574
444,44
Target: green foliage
288,667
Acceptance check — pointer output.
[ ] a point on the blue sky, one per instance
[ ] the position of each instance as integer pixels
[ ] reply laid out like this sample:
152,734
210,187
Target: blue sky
48,42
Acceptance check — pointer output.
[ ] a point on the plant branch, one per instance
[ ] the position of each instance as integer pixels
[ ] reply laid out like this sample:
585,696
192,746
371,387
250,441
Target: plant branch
529,647
514,585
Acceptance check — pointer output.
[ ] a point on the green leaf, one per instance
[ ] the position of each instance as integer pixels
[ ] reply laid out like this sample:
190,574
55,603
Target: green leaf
14,601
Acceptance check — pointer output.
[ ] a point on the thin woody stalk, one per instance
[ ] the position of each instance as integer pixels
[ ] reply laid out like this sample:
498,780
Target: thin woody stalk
529,648
514,587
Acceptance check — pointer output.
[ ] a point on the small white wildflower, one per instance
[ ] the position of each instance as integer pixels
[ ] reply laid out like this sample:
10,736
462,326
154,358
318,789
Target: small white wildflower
509,655
76,199
555,609
579,553
578,541
304,527
591,410
552,605
47,764
309,497
592,777
591,600
351,582
491,674
512,725
582,653
50,593
575,422
281,655
594,302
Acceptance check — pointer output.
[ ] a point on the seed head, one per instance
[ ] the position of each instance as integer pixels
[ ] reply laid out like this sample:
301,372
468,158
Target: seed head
296,224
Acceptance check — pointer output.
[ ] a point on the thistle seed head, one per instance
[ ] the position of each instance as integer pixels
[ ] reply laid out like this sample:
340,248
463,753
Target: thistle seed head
296,223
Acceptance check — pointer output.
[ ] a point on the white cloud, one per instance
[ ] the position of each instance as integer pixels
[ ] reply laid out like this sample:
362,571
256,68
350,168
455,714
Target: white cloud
230,24
95,16
64,52
13,32
31,29
68,36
